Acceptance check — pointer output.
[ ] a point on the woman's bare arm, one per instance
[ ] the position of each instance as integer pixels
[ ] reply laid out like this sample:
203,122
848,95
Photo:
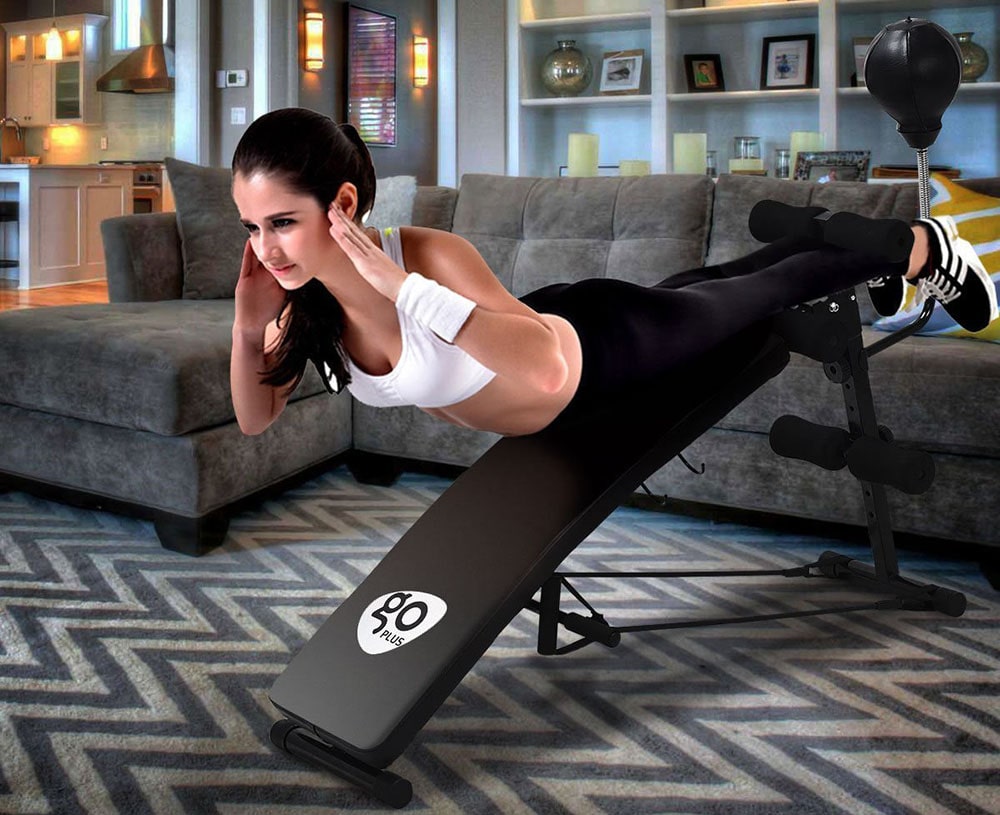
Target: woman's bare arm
255,335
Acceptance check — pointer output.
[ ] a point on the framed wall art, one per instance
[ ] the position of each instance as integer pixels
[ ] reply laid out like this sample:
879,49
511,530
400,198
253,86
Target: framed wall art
824,166
621,71
703,73
787,62
371,75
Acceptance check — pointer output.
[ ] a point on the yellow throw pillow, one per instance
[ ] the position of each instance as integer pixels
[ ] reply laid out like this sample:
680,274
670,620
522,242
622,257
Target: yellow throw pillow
978,219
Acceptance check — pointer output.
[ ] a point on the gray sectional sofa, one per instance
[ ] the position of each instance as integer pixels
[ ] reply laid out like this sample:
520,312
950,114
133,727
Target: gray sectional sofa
127,405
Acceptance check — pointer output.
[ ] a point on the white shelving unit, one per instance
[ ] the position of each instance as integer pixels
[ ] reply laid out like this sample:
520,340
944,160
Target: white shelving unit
642,126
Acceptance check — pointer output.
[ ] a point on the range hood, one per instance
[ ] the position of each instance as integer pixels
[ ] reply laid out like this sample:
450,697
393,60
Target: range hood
150,67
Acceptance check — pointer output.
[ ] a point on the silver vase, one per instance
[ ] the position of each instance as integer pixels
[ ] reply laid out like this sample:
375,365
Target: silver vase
567,70
975,60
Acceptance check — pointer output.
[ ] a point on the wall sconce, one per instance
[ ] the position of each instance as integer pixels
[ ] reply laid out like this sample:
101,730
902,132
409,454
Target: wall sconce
421,62
314,40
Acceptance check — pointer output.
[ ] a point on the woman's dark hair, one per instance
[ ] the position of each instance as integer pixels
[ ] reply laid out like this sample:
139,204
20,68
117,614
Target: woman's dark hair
313,155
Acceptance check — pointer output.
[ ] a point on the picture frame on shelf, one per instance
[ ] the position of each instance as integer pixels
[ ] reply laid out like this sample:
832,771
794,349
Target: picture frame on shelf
824,166
703,73
787,62
860,46
621,71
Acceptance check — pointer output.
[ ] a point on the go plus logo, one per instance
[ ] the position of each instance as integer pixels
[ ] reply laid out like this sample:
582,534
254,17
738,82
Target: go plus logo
397,619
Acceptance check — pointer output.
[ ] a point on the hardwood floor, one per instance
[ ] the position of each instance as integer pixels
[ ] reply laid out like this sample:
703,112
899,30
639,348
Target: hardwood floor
71,295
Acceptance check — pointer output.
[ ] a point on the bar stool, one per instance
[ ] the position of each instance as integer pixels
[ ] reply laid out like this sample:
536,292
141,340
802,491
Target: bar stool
8,214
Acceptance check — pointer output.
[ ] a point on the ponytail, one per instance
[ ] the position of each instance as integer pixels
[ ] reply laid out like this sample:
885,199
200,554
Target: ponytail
365,175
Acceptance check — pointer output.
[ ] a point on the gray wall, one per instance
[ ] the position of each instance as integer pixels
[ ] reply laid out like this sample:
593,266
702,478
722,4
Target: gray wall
481,86
232,48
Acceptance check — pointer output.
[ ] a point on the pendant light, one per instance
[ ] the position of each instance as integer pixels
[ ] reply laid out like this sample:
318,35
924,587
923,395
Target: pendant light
53,42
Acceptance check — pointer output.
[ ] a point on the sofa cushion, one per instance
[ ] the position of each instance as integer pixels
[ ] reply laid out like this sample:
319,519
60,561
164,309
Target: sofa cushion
536,231
161,367
212,237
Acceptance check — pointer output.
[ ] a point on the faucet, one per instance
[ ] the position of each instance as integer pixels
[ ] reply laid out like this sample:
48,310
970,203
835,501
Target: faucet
4,120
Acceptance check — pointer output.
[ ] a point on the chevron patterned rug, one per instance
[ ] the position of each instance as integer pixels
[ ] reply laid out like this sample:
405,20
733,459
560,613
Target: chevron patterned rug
135,680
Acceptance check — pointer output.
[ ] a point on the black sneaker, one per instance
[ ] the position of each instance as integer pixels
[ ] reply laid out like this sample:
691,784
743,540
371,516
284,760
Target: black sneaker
887,294
955,277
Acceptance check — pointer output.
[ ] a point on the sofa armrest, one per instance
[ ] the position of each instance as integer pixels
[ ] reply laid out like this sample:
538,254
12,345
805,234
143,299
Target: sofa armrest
143,257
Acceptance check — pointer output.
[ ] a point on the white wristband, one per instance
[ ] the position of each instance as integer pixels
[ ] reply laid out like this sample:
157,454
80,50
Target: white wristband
437,307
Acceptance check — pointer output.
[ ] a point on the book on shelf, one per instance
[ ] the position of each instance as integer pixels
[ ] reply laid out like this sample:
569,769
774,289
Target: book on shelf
910,171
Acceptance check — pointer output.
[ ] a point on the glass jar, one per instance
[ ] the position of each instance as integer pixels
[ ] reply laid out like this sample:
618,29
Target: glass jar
746,147
782,156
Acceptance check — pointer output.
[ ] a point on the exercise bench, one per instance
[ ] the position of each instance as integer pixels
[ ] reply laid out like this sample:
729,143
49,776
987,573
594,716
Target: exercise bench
389,656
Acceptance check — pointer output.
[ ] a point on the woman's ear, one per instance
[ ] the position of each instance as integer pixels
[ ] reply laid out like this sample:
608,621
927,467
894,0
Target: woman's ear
347,199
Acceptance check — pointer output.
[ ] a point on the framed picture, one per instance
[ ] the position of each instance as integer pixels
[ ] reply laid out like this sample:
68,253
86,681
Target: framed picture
371,75
860,52
621,71
832,165
703,73
787,62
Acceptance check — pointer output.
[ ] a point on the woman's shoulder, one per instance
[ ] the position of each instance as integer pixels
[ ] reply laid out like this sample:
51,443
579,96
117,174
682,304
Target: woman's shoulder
425,240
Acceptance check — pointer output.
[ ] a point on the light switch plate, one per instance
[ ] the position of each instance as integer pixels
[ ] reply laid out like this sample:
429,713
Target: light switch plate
237,116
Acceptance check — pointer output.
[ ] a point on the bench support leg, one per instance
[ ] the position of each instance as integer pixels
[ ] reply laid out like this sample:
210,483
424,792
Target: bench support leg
301,743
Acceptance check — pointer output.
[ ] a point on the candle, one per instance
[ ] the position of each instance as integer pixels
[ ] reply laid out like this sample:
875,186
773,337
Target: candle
745,164
803,141
689,152
583,154
633,167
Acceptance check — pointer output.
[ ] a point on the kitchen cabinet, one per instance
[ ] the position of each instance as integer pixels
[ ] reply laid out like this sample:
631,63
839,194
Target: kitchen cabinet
61,209
43,92
642,125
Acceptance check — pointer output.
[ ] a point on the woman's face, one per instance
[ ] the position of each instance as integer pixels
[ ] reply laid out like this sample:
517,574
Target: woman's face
289,232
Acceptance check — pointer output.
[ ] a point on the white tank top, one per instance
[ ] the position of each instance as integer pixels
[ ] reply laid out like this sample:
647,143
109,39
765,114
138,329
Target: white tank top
431,373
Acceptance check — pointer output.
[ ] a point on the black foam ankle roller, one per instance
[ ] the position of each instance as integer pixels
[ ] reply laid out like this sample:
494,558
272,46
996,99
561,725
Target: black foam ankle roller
884,237
794,437
911,471
772,220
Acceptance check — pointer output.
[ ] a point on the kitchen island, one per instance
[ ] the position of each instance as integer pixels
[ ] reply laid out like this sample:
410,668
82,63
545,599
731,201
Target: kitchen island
56,238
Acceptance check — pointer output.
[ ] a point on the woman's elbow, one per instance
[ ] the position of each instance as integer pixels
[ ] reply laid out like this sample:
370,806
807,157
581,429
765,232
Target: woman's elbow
551,377
252,428
253,423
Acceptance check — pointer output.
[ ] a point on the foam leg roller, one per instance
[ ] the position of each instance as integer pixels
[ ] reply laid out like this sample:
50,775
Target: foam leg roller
911,471
773,220
794,437
884,237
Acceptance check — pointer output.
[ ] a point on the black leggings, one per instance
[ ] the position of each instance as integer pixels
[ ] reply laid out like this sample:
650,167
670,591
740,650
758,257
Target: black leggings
631,334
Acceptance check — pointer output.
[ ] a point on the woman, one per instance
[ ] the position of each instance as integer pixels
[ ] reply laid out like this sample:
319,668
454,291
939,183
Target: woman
415,316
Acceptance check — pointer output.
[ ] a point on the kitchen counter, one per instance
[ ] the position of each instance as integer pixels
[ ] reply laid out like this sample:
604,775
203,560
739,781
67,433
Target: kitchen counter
56,239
